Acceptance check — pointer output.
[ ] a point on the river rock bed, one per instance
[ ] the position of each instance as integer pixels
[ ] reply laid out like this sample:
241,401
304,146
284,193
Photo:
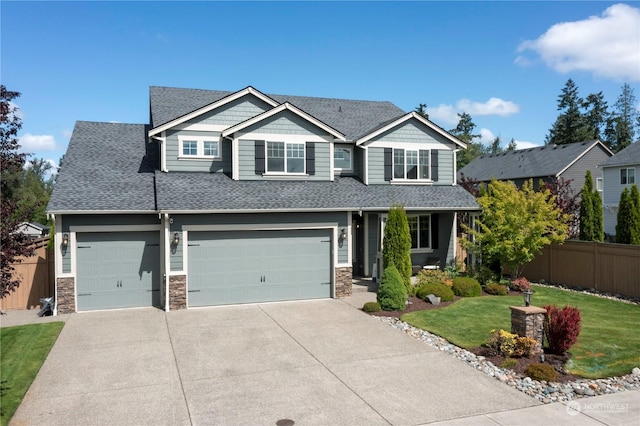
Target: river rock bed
543,391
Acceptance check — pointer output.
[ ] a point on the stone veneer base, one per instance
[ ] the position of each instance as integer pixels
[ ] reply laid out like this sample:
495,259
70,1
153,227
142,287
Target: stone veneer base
66,300
344,282
177,292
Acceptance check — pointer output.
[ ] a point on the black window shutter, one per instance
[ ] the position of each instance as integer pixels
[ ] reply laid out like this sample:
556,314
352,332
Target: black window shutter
259,157
434,165
434,231
388,163
310,157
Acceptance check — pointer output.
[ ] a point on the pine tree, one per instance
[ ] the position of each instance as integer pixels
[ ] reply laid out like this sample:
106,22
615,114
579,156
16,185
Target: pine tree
620,130
596,115
464,132
591,214
570,126
397,243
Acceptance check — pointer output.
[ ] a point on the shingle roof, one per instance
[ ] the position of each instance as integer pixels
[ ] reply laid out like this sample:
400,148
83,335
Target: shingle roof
217,192
353,118
548,160
629,155
109,167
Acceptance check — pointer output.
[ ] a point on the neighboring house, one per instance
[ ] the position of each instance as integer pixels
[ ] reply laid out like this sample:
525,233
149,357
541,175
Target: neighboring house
568,161
33,229
239,197
619,172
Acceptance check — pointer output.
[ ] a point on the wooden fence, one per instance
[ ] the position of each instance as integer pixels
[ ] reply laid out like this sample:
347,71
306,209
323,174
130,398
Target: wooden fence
605,267
36,274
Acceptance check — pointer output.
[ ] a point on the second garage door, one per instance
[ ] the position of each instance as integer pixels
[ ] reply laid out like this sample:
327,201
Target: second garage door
258,266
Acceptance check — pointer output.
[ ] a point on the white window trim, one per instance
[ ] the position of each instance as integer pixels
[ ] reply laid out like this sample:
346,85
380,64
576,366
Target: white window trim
627,175
200,140
405,179
284,172
339,169
599,184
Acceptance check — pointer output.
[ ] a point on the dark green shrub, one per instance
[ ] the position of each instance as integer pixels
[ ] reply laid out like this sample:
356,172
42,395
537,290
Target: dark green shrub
466,287
371,307
392,293
496,289
539,371
441,290
485,275
397,243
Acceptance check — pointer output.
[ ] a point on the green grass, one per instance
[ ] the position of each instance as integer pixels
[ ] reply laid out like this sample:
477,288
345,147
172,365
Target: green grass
23,349
608,345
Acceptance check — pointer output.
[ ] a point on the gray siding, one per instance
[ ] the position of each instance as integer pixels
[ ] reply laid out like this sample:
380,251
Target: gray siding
234,112
445,167
611,190
285,123
100,220
201,165
376,166
250,218
578,170
246,159
412,132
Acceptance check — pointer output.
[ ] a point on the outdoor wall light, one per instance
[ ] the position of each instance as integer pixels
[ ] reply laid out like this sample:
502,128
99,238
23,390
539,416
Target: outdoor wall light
343,234
65,240
527,296
176,239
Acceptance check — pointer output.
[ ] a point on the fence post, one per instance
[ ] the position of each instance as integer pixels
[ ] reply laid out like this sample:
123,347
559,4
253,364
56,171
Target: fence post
596,267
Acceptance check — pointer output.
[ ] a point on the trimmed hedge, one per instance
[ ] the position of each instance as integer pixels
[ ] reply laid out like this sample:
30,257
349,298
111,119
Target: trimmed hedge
371,307
496,289
392,293
466,287
541,372
438,289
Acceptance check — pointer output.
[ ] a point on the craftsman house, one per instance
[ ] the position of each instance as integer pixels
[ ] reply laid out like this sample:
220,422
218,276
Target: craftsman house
241,197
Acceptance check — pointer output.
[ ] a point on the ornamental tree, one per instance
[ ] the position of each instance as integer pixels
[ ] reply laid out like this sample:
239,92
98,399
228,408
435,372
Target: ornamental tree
516,224
397,243
628,218
591,214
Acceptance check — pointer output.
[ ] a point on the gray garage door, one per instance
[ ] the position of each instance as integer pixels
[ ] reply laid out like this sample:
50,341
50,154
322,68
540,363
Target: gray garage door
258,266
118,270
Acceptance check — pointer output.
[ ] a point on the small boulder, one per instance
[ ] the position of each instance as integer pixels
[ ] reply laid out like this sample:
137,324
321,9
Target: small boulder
635,371
433,299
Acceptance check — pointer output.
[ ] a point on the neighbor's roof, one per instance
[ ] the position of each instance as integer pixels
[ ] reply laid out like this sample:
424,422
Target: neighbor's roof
106,168
629,155
548,160
352,118
179,191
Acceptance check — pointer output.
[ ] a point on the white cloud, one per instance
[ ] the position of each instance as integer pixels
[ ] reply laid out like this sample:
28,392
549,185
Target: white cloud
486,136
31,142
66,133
525,145
448,114
607,46
494,106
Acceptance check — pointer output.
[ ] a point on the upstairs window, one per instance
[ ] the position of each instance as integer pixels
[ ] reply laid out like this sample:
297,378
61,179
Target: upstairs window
627,176
198,147
343,158
599,184
411,164
293,162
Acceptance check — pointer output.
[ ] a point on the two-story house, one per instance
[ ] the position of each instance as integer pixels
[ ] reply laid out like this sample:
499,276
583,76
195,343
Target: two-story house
238,197
618,173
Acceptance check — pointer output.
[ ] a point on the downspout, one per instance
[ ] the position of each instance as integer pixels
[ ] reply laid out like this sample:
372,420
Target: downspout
166,259
56,253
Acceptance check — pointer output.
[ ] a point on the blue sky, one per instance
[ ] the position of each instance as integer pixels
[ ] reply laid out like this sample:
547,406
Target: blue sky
504,63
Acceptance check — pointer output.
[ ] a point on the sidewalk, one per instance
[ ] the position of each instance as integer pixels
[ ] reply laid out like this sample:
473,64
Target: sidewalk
621,408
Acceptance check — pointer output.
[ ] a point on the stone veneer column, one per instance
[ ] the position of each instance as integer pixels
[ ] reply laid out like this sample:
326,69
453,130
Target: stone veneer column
528,321
344,282
177,292
66,302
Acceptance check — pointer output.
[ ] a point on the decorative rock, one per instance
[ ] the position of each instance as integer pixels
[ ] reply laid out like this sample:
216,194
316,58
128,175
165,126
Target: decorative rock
541,390
435,300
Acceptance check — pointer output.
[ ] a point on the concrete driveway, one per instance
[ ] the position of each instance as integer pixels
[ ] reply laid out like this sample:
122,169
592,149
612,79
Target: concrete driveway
313,362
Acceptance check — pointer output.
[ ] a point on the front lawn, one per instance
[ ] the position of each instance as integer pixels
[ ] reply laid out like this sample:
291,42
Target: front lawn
608,345
23,349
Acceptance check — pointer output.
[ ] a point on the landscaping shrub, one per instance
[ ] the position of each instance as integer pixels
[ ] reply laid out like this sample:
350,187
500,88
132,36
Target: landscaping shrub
540,371
441,290
509,363
509,344
520,284
466,287
392,293
562,327
371,307
430,276
496,289
485,275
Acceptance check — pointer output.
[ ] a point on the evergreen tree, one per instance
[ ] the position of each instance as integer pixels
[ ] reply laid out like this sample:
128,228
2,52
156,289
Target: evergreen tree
623,223
591,215
596,115
635,215
422,110
397,243
570,126
620,130
464,132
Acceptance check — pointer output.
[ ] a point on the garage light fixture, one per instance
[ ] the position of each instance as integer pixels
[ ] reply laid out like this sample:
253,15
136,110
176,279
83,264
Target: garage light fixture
65,240
343,234
176,239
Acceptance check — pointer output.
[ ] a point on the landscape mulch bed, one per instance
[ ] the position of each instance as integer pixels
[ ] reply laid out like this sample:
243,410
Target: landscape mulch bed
556,361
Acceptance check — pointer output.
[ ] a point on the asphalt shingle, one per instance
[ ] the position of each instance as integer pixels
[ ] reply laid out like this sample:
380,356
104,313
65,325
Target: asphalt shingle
629,155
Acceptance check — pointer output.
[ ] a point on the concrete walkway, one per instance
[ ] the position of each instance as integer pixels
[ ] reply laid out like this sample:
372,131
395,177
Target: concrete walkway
313,362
